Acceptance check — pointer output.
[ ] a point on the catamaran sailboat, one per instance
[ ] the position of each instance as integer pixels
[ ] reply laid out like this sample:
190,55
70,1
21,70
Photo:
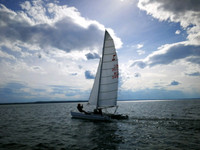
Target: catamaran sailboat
105,87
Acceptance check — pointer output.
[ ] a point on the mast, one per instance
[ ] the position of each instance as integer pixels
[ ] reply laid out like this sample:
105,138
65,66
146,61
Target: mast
101,68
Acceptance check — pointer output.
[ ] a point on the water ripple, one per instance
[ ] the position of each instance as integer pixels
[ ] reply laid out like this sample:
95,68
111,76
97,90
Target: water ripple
156,125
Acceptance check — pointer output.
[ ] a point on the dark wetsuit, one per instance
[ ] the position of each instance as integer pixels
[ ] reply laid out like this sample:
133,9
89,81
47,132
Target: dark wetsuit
80,107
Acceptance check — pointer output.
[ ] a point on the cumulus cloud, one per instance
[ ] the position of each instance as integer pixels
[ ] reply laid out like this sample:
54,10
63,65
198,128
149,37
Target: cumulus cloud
139,63
6,55
194,59
44,44
89,75
92,56
50,25
39,56
139,46
169,53
177,32
186,12
140,52
17,92
137,75
174,83
193,74
63,34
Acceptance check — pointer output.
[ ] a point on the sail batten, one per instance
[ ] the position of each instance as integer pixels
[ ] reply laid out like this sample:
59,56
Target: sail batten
107,62
108,91
108,99
109,83
108,54
105,87
106,76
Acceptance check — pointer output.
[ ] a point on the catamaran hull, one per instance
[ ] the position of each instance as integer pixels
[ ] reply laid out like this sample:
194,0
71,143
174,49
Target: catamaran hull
89,116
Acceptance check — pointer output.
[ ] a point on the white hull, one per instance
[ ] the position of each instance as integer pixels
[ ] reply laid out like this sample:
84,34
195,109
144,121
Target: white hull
91,116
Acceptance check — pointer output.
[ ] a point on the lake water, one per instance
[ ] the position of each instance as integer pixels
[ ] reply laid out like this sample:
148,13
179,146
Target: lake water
151,125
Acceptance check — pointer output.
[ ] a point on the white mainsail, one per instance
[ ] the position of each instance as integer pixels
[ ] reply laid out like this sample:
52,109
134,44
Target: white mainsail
105,87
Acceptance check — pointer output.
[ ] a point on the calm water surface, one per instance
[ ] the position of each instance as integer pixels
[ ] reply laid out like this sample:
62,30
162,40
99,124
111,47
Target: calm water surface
151,125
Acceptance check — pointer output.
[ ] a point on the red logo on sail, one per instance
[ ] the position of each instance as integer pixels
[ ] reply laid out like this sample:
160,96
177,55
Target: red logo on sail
115,75
113,59
115,68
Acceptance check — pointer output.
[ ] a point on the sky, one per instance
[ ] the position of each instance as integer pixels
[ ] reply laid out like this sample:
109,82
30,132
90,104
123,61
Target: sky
50,49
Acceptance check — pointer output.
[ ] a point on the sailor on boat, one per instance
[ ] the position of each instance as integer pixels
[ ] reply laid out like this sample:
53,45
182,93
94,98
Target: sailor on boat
80,108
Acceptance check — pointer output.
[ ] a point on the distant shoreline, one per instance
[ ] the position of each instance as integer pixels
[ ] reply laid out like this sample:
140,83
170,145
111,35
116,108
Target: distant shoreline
80,101
43,102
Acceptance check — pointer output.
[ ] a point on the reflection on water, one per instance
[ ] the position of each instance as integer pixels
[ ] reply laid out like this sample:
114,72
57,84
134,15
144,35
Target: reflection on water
151,125
105,136
95,135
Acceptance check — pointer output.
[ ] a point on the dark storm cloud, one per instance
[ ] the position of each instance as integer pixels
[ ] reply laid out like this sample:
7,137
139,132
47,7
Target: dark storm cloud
92,56
89,75
63,34
171,54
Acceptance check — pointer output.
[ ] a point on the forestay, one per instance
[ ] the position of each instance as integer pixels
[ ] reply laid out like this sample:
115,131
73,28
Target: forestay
105,87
